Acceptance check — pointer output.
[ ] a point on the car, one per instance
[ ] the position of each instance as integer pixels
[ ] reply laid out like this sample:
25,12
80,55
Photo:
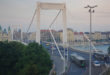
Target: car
47,44
53,48
96,63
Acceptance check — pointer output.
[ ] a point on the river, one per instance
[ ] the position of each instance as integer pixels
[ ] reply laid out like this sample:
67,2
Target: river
103,48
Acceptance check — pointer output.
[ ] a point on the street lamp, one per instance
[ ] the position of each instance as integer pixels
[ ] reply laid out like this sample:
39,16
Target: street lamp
91,10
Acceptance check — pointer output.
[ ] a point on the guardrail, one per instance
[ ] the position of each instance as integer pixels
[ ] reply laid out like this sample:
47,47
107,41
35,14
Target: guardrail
76,49
87,52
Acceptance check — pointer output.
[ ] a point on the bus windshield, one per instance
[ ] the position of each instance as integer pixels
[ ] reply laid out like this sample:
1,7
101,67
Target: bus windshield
82,63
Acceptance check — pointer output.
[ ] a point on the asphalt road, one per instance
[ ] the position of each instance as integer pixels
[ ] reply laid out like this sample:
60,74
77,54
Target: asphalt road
74,69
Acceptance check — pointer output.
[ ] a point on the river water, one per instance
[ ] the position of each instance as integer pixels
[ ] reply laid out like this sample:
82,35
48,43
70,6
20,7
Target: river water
103,48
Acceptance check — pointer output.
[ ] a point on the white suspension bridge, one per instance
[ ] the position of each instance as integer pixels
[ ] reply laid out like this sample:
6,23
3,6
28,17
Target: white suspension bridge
61,8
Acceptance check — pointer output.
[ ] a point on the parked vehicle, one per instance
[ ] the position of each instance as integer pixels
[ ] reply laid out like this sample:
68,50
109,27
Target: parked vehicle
96,63
101,56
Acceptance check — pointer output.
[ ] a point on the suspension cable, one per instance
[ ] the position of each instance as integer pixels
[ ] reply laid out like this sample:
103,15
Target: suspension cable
93,46
53,35
32,20
54,19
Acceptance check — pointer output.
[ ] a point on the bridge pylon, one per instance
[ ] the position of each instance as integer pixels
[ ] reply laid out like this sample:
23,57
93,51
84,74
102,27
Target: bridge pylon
51,6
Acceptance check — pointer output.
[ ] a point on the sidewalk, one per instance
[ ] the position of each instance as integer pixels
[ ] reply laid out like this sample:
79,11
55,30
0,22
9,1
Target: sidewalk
59,64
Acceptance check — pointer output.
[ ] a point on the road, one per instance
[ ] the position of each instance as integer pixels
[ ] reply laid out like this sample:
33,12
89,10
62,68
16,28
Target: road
73,68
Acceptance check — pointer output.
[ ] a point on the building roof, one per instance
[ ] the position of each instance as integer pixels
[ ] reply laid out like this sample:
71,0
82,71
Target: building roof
75,33
78,33
47,30
81,33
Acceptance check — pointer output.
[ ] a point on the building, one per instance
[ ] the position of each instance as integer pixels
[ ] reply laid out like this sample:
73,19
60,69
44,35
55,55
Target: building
97,36
9,34
78,37
17,35
108,36
5,35
70,35
32,36
103,36
0,33
46,36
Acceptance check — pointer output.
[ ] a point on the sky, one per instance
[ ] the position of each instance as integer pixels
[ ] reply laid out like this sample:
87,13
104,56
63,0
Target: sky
20,12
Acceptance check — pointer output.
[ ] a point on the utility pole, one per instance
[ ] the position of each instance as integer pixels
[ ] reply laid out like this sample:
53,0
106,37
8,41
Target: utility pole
91,10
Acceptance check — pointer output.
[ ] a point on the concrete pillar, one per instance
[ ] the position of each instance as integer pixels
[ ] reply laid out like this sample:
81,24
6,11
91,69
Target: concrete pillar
64,26
55,6
38,23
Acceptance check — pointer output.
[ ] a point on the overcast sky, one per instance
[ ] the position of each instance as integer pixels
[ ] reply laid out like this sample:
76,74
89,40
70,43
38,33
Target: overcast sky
15,12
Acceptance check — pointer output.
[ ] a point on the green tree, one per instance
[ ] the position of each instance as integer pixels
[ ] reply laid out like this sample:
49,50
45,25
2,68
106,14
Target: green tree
36,54
18,59
29,69
10,54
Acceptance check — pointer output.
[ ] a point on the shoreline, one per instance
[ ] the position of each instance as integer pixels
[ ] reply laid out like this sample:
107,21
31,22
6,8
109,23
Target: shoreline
87,44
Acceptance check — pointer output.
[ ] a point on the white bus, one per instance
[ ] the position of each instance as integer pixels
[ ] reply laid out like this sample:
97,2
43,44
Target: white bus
79,60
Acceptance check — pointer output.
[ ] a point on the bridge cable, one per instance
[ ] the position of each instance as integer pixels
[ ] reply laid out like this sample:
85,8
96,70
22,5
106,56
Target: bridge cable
53,35
32,20
93,46
54,19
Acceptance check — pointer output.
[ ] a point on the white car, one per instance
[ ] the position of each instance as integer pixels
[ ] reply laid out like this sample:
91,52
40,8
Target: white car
96,63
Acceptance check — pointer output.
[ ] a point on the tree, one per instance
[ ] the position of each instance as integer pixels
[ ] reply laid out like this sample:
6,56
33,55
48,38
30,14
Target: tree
29,69
10,54
19,59
36,54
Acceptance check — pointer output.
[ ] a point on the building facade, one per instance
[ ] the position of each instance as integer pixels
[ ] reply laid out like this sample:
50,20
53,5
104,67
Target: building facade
5,34
70,35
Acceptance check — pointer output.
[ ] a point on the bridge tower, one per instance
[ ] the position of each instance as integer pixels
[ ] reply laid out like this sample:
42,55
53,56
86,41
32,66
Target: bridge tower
53,6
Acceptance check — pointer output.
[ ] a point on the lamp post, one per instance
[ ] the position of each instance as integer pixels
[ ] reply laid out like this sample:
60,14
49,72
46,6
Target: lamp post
91,10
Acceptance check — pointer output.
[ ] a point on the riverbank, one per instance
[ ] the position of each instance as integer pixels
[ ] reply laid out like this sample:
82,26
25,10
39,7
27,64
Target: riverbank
102,48
87,43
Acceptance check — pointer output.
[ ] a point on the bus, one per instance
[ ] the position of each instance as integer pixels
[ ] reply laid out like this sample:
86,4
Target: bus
101,56
78,60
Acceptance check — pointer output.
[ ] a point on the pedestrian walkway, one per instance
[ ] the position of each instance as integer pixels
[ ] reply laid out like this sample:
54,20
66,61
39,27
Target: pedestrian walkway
59,64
